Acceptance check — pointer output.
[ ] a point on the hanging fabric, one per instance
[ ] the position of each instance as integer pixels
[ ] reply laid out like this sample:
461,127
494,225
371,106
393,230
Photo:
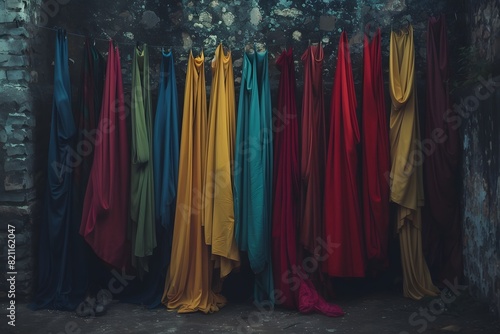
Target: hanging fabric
441,147
88,115
62,279
92,76
188,287
253,175
342,209
406,171
218,193
104,220
149,290
142,203
376,157
312,149
293,290
286,202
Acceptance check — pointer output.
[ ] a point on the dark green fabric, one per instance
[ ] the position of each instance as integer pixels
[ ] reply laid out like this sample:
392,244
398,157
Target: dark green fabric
142,208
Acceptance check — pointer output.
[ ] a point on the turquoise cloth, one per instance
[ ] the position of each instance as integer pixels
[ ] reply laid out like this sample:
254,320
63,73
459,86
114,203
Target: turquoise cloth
253,172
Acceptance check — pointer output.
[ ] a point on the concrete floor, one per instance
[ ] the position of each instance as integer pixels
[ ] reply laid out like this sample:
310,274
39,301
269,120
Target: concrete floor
378,312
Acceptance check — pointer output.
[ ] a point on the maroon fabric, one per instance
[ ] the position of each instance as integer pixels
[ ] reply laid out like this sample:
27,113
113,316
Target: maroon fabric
342,201
293,289
376,157
442,237
105,208
286,180
312,149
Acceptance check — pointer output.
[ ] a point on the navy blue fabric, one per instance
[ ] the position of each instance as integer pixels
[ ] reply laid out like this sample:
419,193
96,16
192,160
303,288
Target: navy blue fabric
62,279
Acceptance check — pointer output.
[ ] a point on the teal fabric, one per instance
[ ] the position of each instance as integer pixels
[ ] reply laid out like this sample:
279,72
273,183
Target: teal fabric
253,172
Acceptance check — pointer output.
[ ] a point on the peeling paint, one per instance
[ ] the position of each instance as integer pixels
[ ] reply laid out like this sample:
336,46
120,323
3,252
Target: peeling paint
255,16
228,18
297,35
288,12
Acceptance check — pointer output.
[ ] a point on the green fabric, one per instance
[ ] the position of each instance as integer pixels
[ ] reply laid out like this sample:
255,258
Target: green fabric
142,208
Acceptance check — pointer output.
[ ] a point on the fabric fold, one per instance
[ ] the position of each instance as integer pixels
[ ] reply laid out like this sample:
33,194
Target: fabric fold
188,286
312,149
442,233
293,288
406,168
105,218
342,200
166,137
142,203
253,172
218,191
62,280
375,157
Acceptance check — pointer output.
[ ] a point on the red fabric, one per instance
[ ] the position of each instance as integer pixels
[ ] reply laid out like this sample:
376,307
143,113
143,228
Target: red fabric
342,201
286,180
442,233
105,208
292,287
376,157
312,148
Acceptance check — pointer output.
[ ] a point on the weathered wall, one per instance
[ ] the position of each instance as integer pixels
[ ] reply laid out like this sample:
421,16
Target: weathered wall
18,205
189,24
481,170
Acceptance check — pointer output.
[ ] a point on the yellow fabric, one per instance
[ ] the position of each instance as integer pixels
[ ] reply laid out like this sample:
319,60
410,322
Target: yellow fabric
218,192
406,170
188,283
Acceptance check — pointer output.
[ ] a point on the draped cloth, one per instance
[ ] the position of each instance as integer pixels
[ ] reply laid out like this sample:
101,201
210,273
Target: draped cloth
218,192
406,171
342,207
376,156
88,114
104,220
62,279
142,204
188,286
286,182
253,172
442,235
312,149
149,290
292,287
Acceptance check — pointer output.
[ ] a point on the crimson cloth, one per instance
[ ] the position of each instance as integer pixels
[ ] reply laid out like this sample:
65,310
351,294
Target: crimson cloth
286,180
376,156
342,201
312,149
292,287
105,214
442,233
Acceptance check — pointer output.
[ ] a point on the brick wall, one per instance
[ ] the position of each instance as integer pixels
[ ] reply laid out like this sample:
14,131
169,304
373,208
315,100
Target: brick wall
18,205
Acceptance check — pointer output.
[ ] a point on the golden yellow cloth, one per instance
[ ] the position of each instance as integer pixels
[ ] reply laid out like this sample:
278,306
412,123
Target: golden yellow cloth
406,165
218,193
188,286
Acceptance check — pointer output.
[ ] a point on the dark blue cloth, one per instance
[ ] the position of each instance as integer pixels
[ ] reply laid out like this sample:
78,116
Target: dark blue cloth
62,279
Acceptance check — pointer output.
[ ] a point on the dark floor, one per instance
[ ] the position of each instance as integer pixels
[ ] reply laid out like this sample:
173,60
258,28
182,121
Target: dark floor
381,312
